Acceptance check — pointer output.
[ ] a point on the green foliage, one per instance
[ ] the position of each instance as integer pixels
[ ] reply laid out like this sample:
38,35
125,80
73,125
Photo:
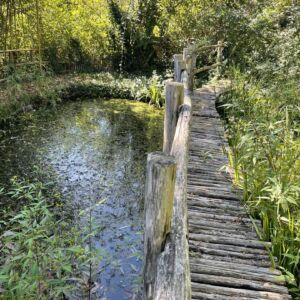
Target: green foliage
136,32
156,90
42,255
143,35
108,85
263,129
26,88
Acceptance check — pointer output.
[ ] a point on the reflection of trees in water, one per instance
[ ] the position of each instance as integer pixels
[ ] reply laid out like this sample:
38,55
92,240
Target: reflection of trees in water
114,135
107,127
119,126
102,145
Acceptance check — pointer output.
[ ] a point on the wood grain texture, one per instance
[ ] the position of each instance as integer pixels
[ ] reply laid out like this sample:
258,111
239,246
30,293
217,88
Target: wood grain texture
174,99
159,195
227,260
173,277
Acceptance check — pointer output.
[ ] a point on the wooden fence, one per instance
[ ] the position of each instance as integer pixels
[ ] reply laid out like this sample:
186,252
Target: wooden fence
15,58
19,57
166,250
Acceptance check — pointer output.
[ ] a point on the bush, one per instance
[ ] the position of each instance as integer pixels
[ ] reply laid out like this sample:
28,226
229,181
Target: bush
107,85
22,91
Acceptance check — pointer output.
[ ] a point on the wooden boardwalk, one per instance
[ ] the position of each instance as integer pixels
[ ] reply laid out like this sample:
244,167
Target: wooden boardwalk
227,260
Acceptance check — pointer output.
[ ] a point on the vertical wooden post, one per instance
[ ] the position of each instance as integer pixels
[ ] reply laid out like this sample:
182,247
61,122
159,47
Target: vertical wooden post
174,98
219,59
38,31
190,59
159,196
178,67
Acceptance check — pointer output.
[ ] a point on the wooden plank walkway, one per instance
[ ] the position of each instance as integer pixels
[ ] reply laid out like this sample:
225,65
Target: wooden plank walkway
227,260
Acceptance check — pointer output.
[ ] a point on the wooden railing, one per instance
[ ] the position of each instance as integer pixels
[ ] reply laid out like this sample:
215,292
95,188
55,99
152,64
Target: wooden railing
166,251
185,64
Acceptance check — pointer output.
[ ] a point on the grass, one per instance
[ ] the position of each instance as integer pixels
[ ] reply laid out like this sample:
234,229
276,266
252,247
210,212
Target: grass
263,126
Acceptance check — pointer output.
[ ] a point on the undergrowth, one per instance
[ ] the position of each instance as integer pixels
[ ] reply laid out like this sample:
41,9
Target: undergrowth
263,127
43,254
24,89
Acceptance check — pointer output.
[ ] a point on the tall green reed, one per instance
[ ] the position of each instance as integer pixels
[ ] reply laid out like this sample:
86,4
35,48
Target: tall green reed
263,128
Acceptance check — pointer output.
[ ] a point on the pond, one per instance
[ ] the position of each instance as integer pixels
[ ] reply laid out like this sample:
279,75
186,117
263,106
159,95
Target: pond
96,152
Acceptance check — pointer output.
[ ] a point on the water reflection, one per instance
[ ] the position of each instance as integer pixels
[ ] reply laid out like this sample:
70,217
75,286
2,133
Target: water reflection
96,150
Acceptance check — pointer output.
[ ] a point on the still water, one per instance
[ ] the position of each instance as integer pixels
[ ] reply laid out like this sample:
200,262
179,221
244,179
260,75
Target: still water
96,152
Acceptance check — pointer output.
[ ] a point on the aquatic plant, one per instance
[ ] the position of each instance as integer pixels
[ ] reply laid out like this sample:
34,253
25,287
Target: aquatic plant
42,255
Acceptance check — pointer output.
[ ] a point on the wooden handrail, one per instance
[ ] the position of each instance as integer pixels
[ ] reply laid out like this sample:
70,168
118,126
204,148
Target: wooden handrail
167,272
203,48
206,68
166,250
17,50
185,65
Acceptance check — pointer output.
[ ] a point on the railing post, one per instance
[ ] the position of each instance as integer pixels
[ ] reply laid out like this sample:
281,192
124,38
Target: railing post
178,67
159,196
174,99
190,59
219,59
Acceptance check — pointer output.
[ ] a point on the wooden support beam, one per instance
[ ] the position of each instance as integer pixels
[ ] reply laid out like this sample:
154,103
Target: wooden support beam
174,98
206,68
159,195
203,48
17,50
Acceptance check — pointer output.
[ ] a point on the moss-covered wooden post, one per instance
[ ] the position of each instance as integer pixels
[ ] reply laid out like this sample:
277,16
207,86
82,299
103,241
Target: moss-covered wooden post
159,195
174,98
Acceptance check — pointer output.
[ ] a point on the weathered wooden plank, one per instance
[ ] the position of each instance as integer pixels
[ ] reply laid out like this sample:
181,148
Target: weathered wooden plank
235,266
217,252
245,274
220,232
211,194
216,203
229,241
199,215
219,292
238,283
250,262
